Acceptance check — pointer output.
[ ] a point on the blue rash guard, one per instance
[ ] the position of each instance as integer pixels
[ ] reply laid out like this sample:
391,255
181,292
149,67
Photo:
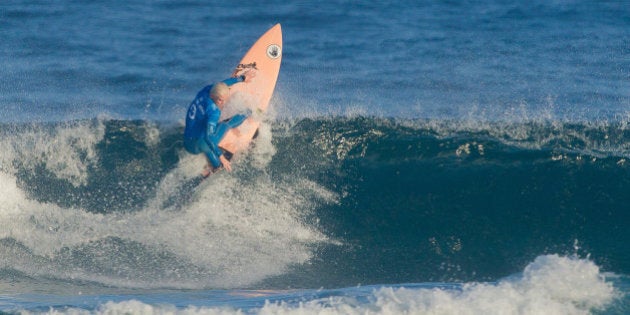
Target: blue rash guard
203,130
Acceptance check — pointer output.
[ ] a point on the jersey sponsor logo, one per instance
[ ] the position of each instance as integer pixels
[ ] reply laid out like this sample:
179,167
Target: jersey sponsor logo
192,111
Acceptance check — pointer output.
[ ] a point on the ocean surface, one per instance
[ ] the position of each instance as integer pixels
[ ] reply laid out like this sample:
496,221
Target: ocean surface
419,157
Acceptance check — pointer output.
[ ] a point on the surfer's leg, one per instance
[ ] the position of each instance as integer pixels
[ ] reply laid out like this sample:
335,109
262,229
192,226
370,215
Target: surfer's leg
196,146
211,150
192,146
210,145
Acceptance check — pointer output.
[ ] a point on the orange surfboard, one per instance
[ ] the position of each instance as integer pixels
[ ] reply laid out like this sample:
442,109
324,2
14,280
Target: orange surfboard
264,58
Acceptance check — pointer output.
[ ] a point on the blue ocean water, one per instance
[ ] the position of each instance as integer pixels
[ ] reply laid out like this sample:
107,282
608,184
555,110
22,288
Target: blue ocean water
440,157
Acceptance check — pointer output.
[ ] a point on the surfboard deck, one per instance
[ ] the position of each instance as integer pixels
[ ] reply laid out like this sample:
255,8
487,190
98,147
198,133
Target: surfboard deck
264,57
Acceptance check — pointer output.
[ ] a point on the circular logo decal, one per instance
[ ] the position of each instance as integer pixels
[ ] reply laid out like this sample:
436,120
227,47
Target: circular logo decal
273,51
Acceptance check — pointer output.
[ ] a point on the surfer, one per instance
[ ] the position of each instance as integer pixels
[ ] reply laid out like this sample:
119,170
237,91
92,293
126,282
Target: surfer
203,130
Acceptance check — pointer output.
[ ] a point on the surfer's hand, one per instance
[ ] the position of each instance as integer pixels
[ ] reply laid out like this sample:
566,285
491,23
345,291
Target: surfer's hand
226,163
248,75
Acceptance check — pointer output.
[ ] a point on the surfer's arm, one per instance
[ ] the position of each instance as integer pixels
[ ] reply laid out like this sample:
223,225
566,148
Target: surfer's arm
231,81
213,120
245,77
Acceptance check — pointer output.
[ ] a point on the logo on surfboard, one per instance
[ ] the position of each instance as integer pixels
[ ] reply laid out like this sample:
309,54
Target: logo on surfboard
273,51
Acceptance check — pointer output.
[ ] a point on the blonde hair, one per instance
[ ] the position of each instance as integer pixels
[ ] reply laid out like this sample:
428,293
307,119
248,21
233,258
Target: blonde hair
219,89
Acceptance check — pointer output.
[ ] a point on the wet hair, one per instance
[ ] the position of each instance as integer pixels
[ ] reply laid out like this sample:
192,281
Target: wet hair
219,89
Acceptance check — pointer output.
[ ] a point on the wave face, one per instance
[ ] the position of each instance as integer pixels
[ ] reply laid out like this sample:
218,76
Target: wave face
458,201
316,202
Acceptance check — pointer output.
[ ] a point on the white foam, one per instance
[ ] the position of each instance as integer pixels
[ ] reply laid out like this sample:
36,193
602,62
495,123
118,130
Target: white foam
549,285
243,232
66,150
238,236
263,150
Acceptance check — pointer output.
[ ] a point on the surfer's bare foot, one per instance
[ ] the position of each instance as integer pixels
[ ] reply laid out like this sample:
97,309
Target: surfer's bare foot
225,163
208,170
